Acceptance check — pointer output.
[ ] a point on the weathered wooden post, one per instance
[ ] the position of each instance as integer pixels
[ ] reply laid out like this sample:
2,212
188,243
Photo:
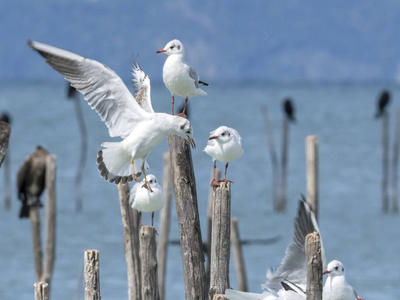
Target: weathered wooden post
163,231
130,230
220,297
274,160
312,172
4,137
148,263
37,241
220,240
41,290
238,256
395,163
50,248
314,266
5,129
188,218
92,275
385,162
7,181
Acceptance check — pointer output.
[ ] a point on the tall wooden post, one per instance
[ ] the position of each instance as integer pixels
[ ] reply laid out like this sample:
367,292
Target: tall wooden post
314,266
41,290
220,240
395,163
92,275
312,172
165,218
238,256
285,143
7,181
188,219
385,162
148,263
131,242
4,137
37,241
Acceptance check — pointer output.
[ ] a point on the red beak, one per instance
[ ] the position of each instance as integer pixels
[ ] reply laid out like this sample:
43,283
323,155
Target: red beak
326,272
212,137
161,51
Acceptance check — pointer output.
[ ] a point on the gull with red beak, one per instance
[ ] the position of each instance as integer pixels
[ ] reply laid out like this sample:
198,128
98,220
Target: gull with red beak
224,145
180,78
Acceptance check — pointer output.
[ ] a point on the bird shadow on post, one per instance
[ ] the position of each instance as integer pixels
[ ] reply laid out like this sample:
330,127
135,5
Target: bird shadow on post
188,218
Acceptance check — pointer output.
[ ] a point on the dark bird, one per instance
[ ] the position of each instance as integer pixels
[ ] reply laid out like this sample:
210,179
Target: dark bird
5,117
289,109
31,179
383,102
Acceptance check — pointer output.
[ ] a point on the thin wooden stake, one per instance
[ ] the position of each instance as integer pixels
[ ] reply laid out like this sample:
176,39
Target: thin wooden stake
312,172
188,219
37,241
92,275
41,291
238,256
285,143
314,266
4,137
7,181
148,262
131,241
385,162
395,163
220,241
165,220
50,248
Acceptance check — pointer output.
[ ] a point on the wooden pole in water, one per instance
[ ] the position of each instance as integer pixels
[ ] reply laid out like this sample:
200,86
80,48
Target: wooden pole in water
285,143
4,137
50,249
220,240
385,161
7,181
37,242
41,290
188,219
92,275
314,266
274,159
148,262
165,220
312,172
238,256
395,163
130,230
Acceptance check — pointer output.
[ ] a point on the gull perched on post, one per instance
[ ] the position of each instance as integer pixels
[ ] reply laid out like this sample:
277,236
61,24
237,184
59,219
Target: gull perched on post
180,78
225,145
106,93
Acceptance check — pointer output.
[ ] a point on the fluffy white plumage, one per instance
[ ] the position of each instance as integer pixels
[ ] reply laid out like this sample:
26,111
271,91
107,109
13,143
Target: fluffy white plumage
106,93
224,145
142,87
179,78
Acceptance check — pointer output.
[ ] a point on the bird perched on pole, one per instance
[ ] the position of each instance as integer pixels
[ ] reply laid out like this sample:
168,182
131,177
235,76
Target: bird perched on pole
180,78
383,102
289,109
31,180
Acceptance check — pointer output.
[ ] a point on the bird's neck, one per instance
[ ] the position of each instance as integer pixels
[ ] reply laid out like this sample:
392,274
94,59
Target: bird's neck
176,58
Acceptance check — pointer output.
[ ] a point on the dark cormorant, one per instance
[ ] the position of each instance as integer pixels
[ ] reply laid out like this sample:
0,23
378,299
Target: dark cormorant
383,102
289,109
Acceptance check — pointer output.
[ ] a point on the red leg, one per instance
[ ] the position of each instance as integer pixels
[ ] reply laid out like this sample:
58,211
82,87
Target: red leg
226,168
214,182
183,114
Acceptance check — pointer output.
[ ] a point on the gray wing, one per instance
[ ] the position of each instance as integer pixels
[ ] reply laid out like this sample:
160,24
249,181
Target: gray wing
103,89
141,85
193,75
293,266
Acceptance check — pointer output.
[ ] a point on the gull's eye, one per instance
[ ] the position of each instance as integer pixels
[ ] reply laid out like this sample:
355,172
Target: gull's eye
188,132
151,181
226,133
336,268
172,47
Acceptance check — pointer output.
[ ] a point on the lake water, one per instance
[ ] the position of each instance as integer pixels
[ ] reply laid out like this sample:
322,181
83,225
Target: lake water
353,227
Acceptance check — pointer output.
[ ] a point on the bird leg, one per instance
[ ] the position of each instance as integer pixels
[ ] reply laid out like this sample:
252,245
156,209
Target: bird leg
173,103
140,219
146,183
133,171
183,114
214,182
152,218
226,168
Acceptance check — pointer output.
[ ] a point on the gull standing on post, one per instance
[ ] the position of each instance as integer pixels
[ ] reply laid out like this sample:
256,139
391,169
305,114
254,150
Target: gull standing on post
225,145
106,93
179,78
143,200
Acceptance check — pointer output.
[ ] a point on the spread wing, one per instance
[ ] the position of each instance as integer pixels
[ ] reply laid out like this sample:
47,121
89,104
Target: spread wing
141,84
102,88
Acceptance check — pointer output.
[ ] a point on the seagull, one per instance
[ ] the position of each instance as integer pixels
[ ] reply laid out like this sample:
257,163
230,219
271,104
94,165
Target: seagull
225,145
180,78
31,180
141,85
106,93
144,201
383,102
289,109
336,286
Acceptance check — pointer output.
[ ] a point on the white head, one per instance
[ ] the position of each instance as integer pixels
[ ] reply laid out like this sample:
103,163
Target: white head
335,268
223,134
152,180
173,47
183,128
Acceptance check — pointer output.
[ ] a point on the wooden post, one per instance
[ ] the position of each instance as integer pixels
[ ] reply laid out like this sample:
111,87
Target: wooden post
4,137
274,159
395,163
37,241
92,275
220,240
314,266
285,143
148,262
130,230
50,249
7,181
188,219
385,161
220,297
209,224
238,256
312,172
41,291
165,220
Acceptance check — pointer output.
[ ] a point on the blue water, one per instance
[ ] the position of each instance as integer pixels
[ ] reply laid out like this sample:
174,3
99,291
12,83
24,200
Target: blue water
353,227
